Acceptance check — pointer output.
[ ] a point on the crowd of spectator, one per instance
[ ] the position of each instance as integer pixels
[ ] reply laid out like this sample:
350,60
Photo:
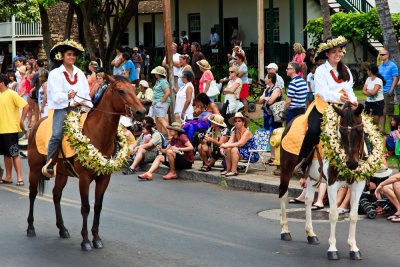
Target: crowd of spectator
215,130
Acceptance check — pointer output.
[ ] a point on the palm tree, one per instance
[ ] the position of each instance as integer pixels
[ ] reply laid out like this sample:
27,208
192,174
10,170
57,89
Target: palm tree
389,36
326,15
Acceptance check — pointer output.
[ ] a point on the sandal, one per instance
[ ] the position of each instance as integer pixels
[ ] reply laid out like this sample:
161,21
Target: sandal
224,172
128,171
145,176
20,183
296,201
4,181
206,168
231,174
169,176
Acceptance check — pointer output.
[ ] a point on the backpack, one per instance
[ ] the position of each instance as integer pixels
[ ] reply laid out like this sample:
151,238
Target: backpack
164,142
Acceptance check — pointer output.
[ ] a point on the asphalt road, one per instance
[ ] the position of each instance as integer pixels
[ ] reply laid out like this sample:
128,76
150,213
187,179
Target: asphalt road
177,223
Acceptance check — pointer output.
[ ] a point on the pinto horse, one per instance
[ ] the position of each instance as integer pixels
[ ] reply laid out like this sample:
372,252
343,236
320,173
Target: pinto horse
352,140
101,127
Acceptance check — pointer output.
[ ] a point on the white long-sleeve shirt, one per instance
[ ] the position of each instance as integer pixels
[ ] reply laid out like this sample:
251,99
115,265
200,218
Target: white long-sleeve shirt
328,89
58,88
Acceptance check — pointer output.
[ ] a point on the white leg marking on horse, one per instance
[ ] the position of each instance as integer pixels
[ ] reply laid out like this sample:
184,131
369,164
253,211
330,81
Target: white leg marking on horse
356,190
284,220
310,192
333,213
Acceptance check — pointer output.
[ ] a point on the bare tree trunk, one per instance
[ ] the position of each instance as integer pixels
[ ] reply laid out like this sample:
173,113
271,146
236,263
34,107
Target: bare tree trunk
389,36
86,16
47,42
326,15
118,31
68,24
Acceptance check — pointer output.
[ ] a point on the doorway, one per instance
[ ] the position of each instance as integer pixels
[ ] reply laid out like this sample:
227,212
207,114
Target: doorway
230,24
148,34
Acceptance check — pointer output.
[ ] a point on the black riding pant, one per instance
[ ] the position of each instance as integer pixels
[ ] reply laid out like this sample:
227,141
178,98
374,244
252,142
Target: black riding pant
312,135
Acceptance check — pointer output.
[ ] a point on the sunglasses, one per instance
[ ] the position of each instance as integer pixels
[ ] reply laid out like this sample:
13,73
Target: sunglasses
289,69
237,121
382,55
231,72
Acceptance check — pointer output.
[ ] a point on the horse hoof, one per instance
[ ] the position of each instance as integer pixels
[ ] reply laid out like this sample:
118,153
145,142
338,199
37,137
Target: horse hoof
333,255
98,244
286,237
85,246
355,255
313,240
64,234
31,232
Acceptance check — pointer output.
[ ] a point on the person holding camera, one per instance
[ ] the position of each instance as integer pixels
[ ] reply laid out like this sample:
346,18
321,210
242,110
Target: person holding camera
145,148
209,148
271,95
178,155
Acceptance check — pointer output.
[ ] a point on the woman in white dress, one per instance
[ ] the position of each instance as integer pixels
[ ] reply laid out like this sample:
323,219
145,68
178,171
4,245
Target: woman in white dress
184,98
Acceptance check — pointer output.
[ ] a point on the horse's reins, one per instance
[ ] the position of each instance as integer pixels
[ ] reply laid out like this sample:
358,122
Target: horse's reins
128,109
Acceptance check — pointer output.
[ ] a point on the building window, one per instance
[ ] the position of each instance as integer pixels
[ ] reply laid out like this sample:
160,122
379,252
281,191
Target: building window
275,31
194,28
194,22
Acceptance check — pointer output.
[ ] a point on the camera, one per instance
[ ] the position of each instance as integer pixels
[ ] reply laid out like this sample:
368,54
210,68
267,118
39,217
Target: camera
201,136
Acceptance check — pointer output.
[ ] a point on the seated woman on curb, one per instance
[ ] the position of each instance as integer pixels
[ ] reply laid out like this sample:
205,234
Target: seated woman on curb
178,154
144,151
205,108
239,144
216,135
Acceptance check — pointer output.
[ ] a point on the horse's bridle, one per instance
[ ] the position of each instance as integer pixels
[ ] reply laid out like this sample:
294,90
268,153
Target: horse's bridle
349,129
128,109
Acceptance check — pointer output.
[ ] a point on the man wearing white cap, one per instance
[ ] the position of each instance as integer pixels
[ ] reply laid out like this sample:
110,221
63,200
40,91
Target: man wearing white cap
273,68
146,93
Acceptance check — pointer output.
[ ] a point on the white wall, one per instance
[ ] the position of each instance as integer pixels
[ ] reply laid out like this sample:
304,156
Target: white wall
159,28
245,11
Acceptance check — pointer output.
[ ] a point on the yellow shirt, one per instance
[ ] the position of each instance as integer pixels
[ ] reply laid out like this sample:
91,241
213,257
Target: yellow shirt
10,104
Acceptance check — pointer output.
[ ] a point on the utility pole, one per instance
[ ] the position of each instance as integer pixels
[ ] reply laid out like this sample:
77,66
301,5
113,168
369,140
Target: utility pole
260,20
168,55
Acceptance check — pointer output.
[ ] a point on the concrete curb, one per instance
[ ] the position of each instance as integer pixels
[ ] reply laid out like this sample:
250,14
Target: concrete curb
241,181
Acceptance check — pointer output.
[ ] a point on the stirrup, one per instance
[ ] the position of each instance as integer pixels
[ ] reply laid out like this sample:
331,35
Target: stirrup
46,173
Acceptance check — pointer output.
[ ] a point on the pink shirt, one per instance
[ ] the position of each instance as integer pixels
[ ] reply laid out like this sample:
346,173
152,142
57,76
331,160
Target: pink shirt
24,85
207,76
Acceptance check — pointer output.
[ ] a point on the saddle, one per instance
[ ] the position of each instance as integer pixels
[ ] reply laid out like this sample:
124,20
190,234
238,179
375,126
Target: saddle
43,136
294,138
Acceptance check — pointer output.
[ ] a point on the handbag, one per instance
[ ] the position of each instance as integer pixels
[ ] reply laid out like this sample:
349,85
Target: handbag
213,89
277,110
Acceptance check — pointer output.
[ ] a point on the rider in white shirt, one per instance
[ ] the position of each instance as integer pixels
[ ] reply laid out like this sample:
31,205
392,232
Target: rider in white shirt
67,88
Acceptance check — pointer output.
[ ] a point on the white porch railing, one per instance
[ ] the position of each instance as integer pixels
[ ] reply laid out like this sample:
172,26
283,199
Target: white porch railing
21,29
28,29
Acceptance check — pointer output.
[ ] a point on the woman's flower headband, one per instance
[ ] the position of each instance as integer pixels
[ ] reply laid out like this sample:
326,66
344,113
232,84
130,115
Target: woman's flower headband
340,41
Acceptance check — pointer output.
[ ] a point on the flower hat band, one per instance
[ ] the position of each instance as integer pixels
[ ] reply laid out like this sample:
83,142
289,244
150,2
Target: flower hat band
332,43
56,53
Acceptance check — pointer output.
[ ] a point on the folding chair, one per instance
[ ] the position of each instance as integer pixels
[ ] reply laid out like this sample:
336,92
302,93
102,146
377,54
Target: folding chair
397,154
261,138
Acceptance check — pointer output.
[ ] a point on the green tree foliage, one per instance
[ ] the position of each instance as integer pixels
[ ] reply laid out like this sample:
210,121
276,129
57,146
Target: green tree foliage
353,26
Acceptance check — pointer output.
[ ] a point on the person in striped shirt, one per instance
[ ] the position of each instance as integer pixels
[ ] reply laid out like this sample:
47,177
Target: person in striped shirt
297,93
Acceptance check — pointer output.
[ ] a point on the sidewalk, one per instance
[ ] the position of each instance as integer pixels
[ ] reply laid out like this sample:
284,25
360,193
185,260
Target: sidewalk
253,180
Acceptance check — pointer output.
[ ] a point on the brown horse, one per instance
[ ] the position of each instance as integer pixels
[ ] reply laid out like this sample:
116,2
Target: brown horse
101,127
352,140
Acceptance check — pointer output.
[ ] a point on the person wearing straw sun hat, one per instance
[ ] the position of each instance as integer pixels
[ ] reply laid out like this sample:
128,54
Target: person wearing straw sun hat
67,88
178,154
333,84
161,99
239,144
209,148
207,77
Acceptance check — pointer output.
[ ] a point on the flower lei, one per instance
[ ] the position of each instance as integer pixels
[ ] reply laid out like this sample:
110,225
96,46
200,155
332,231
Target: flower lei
69,80
336,155
332,43
88,155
